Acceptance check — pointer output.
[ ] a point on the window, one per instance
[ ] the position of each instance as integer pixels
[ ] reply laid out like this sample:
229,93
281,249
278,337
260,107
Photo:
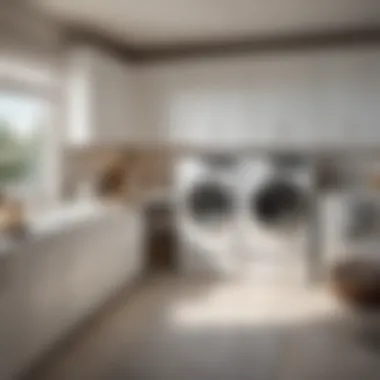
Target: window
23,124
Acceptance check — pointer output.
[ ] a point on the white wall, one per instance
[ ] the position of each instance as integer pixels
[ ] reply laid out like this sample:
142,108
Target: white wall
326,96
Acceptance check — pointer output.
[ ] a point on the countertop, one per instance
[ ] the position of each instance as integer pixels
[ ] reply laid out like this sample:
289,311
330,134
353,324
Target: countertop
63,217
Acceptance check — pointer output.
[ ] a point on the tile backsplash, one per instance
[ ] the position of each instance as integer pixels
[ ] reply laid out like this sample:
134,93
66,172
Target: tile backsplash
126,174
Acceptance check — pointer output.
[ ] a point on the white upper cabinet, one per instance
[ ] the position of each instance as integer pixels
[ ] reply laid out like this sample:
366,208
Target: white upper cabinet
306,99
347,97
101,99
239,101
209,103
310,98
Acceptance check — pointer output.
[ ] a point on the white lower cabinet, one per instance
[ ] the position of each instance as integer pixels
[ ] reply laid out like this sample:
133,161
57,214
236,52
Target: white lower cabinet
57,280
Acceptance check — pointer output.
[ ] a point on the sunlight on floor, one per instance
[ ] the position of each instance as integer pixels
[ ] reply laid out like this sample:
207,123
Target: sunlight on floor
251,302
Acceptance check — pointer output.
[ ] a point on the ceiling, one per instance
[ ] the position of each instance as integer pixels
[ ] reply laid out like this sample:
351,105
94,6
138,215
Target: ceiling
163,22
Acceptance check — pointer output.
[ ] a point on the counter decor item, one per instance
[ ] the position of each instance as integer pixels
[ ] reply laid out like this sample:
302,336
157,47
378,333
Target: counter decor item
111,181
356,282
375,181
12,218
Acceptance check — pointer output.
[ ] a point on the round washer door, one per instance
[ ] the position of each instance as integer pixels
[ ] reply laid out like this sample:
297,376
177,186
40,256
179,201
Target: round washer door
210,203
208,223
278,202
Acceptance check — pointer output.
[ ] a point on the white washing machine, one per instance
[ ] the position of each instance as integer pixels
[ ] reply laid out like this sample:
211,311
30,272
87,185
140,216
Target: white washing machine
274,202
245,217
206,205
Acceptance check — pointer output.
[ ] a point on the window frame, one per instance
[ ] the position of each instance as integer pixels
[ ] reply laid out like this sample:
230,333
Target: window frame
49,188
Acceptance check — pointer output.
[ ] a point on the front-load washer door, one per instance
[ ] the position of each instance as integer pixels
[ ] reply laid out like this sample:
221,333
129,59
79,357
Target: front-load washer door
208,226
210,213
273,217
210,204
278,204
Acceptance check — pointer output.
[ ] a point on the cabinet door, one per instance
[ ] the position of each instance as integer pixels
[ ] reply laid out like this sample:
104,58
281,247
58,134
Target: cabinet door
259,127
338,100
223,117
302,113
212,119
226,119
368,116
101,97
347,102
264,94
108,106
280,97
192,118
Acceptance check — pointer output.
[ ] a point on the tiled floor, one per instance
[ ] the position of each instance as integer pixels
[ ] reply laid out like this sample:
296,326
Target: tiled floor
186,329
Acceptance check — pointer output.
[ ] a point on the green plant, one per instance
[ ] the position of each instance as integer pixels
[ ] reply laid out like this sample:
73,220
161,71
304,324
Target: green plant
17,155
